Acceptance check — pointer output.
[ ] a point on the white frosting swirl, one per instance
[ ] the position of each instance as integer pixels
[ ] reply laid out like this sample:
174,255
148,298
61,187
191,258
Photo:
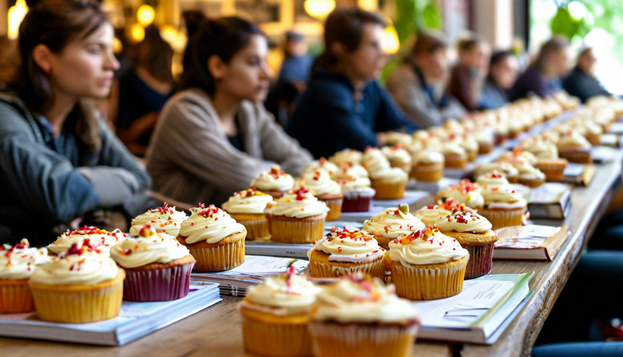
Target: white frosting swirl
18,262
348,169
463,192
432,213
397,153
298,204
346,246
322,164
359,299
148,248
504,193
494,178
352,182
320,182
163,219
504,167
287,294
249,201
93,234
428,157
573,141
423,247
210,224
466,221
346,155
393,222
275,180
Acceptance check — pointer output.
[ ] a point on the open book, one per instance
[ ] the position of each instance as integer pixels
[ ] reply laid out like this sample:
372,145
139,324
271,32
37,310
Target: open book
529,242
479,314
253,271
135,320
550,201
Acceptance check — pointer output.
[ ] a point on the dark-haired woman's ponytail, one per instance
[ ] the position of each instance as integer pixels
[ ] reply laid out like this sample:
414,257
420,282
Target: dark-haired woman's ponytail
195,21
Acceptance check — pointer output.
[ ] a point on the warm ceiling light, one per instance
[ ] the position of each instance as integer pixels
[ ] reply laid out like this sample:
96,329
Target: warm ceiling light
319,8
137,33
390,42
145,15
15,16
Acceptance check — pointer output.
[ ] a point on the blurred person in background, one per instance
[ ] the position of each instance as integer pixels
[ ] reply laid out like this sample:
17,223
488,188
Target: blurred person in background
543,76
8,59
344,106
58,160
503,71
418,84
467,78
214,136
582,82
144,90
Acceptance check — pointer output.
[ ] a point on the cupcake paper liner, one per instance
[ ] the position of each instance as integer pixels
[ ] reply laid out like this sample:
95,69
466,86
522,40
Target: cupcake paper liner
405,166
15,297
337,269
279,340
336,209
288,230
219,258
362,340
358,204
157,285
480,260
256,229
428,173
80,303
389,190
531,182
577,156
552,172
485,148
427,282
503,218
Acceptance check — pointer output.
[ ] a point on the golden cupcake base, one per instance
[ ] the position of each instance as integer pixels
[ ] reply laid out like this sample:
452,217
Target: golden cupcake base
428,172
296,230
577,156
15,297
389,190
321,267
335,206
224,255
431,281
552,169
500,218
256,224
456,161
78,304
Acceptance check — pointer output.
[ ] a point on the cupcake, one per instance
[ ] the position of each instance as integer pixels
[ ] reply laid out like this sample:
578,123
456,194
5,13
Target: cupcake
275,316
247,208
17,263
427,265
474,233
359,316
389,182
504,207
163,219
78,286
428,166
394,138
297,217
348,169
575,148
518,155
275,183
486,141
432,213
346,155
463,192
547,160
343,252
398,157
494,178
392,223
214,238
470,145
322,164
157,267
357,194
505,168
527,174
327,191
455,155
95,235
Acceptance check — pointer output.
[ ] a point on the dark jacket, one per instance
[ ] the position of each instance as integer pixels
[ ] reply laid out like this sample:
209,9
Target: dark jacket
583,85
327,118
533,81
44,178
492,96
464,85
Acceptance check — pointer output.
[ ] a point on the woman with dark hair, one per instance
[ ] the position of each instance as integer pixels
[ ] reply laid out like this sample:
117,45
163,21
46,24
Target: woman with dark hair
503,70
214,137
344,106
57,158
582,82
467,77
543,76
418,84
144,90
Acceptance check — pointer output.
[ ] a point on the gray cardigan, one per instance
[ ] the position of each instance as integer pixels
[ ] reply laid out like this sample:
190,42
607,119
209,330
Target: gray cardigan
406,88
191,160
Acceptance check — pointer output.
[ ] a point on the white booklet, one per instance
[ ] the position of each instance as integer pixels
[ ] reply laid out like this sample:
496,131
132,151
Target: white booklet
135,320
253,271
479,314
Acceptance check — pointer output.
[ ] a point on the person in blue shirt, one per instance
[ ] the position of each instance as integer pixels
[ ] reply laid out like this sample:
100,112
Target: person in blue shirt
582,82
297,62
543,76
344,106
58,159
503,70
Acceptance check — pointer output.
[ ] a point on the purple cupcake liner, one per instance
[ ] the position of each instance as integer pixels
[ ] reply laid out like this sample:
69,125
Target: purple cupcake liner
480,260
157,285
359,204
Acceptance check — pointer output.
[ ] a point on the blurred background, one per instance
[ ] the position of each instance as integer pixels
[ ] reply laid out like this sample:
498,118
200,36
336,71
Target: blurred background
522,25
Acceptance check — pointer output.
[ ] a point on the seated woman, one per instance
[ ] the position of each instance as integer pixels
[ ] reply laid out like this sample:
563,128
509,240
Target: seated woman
213,138
144,90
418,84
582,82
58,160
543,76
503,70
344,106
467,77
